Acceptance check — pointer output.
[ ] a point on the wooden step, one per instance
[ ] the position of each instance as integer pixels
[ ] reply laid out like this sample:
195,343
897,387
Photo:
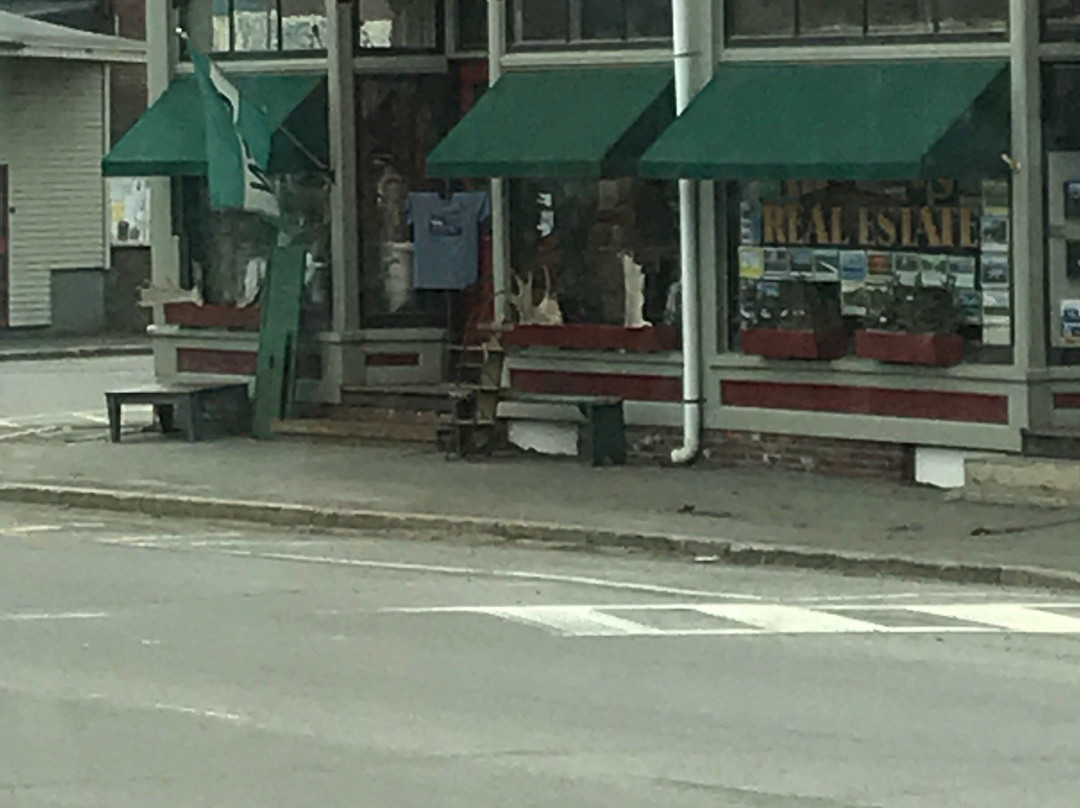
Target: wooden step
356,430
381,414
433,397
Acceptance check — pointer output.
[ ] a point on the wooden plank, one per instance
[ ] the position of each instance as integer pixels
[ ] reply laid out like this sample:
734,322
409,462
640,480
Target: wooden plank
275,376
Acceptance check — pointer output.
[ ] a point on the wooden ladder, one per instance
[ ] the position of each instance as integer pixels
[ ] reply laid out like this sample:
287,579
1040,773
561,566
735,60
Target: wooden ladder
477,374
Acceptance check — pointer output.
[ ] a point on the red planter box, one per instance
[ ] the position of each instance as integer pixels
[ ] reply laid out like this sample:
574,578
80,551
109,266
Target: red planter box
937,350
652,339
213,316
775,343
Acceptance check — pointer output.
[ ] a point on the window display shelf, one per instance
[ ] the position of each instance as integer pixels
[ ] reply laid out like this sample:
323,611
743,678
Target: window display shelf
776,343
937,350
653,339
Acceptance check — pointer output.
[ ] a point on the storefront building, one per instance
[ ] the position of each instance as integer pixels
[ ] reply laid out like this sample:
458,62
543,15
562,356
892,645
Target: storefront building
884,211
876,269
358,93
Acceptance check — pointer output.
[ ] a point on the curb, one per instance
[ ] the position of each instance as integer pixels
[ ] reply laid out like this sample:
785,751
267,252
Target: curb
91,352
726,552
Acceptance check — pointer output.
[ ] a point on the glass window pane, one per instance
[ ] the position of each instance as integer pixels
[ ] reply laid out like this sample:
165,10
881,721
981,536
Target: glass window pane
206,23
303,25
899,16
543,20
603,19
398,24
648,19
762,18
255,25
472,25
1061,17
973,15
830,17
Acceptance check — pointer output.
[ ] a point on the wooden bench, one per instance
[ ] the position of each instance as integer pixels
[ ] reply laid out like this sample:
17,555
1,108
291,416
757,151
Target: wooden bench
193,407
602,435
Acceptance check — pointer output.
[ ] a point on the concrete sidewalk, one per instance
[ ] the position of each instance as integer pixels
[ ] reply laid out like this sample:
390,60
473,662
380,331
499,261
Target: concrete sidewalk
859,526
21,348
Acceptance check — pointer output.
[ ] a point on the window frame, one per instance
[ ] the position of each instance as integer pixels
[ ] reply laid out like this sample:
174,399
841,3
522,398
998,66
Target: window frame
575,10
870,34
442,9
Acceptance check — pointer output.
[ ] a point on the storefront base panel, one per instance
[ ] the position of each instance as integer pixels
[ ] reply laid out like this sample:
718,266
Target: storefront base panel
803,453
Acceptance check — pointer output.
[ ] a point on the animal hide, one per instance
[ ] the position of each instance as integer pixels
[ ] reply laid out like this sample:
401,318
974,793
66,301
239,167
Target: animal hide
634,288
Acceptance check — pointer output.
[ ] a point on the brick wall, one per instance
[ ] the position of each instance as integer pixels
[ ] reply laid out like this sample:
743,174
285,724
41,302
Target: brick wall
732,449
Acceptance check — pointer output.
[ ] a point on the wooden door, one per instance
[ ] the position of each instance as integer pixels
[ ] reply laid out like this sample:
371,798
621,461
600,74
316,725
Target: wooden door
5,243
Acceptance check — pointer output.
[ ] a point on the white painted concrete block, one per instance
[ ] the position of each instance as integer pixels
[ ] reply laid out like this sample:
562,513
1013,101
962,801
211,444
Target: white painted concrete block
942,468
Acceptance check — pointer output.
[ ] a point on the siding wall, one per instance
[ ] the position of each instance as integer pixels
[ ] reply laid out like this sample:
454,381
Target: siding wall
52,135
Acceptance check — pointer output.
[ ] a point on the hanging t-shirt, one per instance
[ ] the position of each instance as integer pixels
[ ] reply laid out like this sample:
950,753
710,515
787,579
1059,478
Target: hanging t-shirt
446,236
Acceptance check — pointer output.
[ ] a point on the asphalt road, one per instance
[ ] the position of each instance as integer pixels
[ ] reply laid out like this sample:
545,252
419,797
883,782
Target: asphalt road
47,394
151,663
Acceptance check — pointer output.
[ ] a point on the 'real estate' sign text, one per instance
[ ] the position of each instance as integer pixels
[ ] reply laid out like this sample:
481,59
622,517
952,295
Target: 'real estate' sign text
870,227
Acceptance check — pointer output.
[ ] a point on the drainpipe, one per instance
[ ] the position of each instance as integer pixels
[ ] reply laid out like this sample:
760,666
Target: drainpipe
688,250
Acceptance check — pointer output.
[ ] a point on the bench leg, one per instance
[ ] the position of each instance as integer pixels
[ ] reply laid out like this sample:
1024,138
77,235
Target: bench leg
607,435
192,413
164,415
112,406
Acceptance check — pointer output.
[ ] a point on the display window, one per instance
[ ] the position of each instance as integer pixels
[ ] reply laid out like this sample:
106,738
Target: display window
595,253
399,121
757,21
1060,19
226,254
224,27
909,272
550,22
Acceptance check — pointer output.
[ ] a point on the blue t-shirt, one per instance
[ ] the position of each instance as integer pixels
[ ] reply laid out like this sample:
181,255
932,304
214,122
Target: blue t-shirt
446,236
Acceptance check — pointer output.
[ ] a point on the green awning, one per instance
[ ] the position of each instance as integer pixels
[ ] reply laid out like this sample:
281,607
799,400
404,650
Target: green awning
593,122
168,140
902,120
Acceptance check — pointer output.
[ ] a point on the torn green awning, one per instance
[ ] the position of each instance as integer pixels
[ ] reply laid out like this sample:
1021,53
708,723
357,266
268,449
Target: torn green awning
872,121
583,123
169,140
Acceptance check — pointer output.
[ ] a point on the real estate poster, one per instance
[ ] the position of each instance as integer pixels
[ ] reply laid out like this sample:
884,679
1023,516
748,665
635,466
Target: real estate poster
994,270
827,266
879,266
802,263
907,267
933,271
994,233
1070,322
777,264
969,301
995,197
962,271
751,263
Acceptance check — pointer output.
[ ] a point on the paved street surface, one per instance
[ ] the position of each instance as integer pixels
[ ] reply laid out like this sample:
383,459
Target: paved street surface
44,397
156,663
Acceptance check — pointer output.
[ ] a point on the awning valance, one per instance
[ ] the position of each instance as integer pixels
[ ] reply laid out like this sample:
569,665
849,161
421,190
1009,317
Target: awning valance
592,122
169,139
872,121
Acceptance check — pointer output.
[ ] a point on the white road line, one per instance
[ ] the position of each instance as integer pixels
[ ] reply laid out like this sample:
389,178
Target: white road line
787,619
219,715
30,529
18,617
578,621
604,620
27,432
1010,617
475,572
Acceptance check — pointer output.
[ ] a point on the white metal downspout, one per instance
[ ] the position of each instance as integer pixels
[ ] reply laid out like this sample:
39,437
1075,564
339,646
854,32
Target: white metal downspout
688,250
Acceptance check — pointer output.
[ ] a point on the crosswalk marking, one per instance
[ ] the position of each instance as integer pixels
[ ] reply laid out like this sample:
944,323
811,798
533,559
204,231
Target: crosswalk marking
757,619
579,621
788,619
1007,616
